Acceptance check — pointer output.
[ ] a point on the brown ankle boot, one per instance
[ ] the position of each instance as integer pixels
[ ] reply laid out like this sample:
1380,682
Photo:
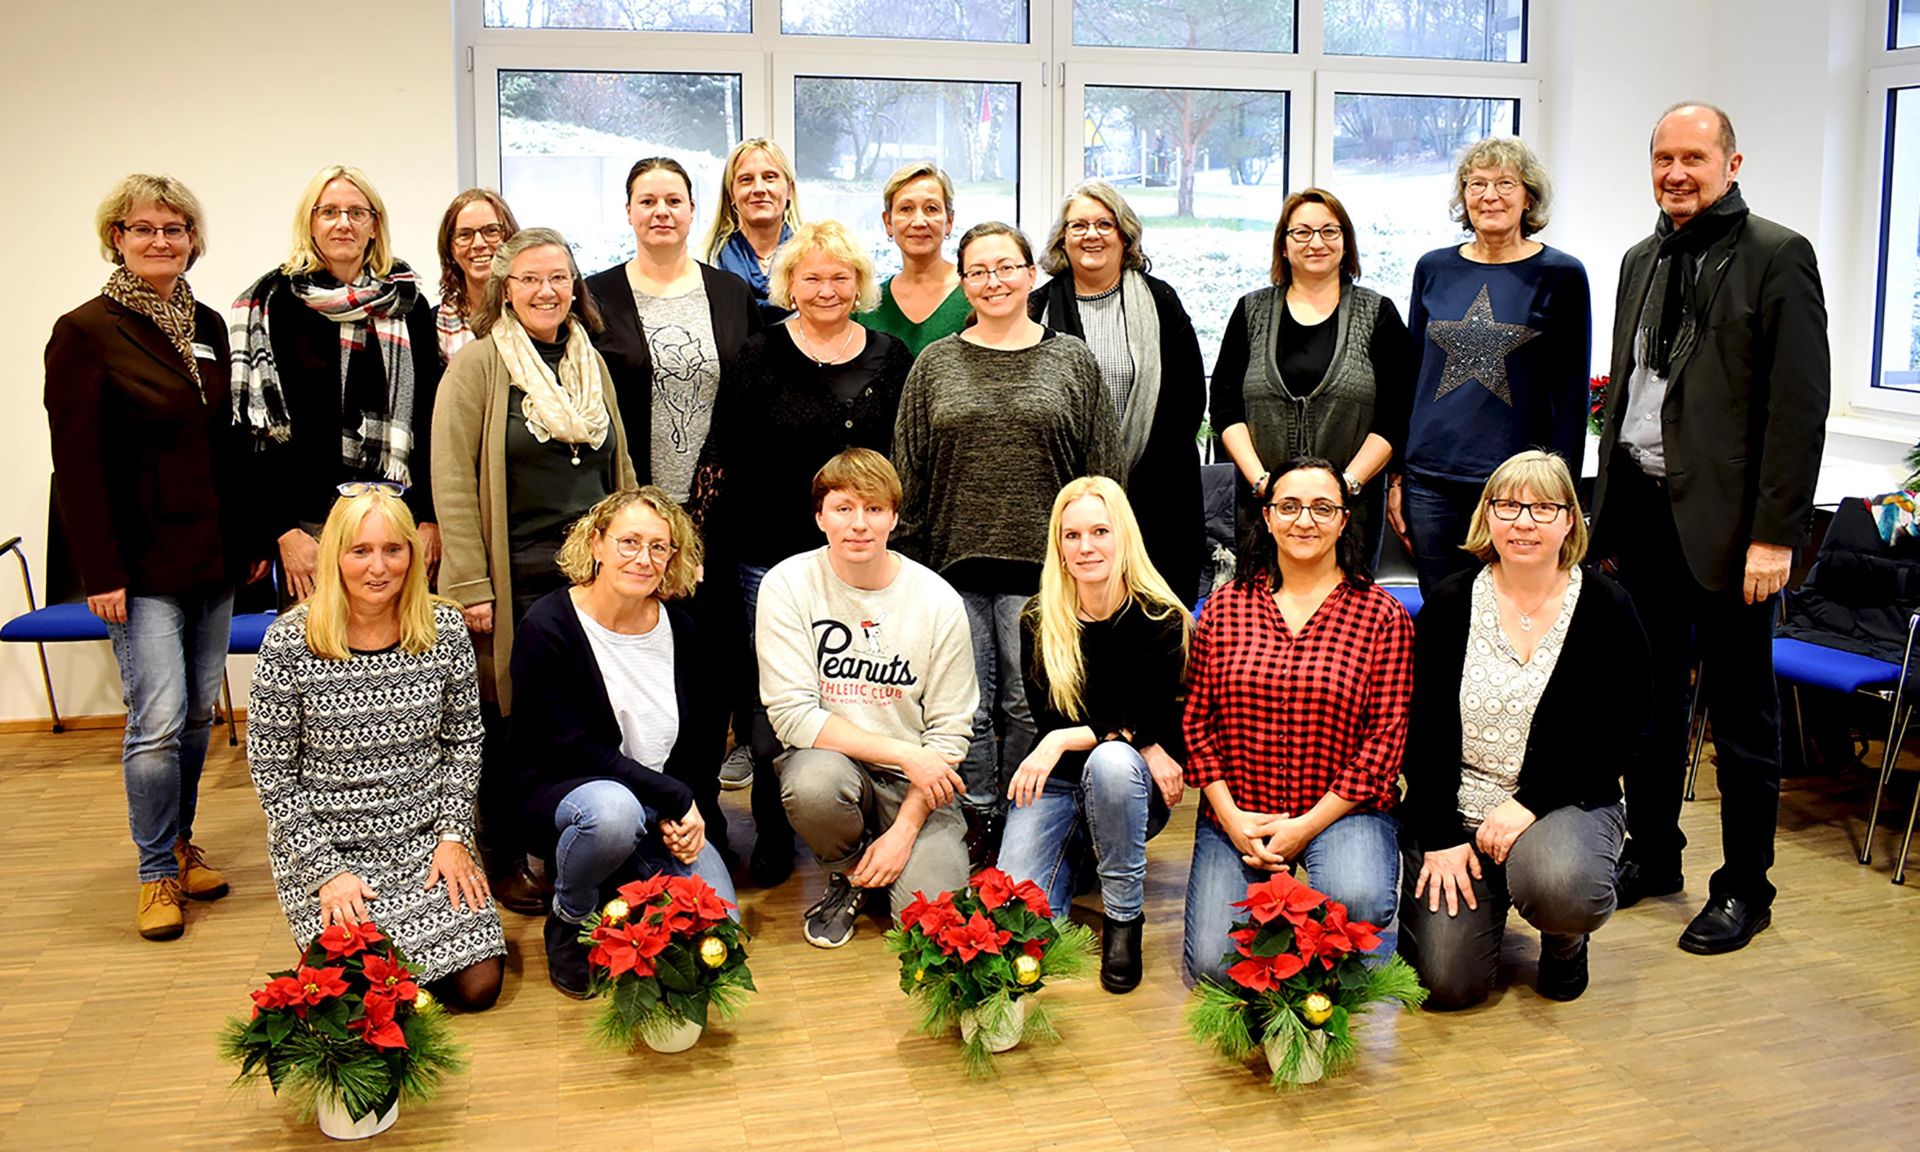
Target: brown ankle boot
197,881
161,916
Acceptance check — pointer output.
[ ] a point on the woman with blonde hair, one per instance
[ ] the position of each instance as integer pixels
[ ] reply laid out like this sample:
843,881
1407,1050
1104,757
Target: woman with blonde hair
923,301
335,367
759,209
1104,646
609,684
363,735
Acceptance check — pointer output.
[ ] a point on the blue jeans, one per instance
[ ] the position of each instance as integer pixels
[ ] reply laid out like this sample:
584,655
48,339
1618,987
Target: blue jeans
994,618
1355,861
1437,513
172,653
1113,805
603,829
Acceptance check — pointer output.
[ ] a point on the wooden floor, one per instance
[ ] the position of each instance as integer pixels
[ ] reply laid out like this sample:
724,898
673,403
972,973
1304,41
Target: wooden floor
1811,1037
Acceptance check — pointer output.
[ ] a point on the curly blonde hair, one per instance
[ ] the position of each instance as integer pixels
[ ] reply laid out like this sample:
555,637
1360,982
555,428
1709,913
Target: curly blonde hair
576,558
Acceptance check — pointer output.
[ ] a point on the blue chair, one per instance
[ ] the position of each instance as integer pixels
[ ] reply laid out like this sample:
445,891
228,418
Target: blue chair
1408,595
63,623
244,639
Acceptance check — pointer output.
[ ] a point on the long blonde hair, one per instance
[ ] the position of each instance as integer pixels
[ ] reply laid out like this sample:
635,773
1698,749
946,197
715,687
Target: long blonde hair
327,607
726,221
1056,610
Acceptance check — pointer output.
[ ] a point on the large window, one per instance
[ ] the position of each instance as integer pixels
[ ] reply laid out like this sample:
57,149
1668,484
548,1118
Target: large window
1897,342
623,15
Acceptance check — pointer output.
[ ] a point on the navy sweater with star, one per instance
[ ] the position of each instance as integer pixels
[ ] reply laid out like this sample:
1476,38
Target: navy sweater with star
1531,338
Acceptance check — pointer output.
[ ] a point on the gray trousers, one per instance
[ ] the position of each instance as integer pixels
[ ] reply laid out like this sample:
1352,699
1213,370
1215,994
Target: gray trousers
838,805
1559,877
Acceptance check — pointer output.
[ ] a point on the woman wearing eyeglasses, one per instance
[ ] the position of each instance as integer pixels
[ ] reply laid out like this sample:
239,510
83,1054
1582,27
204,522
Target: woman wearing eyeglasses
1503,328
924,300
993,422
1296,717
147,470
1513,789
1315,365
363,736
335,366
1149,361
524,442
473,228
608,675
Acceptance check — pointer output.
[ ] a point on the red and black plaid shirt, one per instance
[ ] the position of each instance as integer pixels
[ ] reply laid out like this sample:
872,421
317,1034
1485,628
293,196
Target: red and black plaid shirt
1284,718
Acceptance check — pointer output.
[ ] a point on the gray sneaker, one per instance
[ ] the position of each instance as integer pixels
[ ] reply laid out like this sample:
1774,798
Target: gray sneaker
829,922
736,771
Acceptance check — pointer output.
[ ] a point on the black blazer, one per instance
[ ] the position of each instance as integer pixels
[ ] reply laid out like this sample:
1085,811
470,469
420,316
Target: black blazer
1745,414
1164,488
1589,727
563,732
623,345
147,473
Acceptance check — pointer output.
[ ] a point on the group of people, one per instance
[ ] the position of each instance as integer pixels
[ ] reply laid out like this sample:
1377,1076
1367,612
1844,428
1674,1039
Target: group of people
929,549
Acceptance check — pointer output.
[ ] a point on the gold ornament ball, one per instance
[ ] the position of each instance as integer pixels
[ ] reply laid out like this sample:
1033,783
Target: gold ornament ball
1026,969
1317,1009
713,952
919,975
423,999
616,909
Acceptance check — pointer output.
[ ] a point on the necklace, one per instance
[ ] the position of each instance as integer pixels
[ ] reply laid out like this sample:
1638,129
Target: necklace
1526,617
806,345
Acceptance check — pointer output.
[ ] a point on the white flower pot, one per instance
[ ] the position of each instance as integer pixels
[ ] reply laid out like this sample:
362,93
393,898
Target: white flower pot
331,1111
671,1037
1313,1064
997,1039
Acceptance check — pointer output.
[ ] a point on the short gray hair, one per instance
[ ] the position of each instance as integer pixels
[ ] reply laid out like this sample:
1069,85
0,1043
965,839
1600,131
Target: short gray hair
1053,259
1510,153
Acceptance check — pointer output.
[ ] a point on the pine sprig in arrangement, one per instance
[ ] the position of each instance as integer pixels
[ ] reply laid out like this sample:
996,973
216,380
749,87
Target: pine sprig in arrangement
664,954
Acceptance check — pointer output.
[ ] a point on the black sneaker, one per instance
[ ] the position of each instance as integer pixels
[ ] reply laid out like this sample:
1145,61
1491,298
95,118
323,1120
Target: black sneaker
566,957
829,922
1632,883
1562,977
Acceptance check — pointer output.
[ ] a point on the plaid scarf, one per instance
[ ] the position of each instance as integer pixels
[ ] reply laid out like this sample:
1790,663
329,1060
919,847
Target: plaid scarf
369,308
173,316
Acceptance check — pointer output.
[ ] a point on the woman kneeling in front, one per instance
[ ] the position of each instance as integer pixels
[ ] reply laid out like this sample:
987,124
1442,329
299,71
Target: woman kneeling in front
1531,698
604,688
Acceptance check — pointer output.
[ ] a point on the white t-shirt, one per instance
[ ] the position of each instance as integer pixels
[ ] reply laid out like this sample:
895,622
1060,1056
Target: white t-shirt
638,672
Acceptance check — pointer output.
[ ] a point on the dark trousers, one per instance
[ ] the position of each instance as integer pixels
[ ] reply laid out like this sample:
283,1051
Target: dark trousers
1438,513
502,843
1733,640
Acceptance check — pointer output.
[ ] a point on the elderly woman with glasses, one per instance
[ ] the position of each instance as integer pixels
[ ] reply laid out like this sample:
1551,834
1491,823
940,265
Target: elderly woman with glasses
363,735
334,372
1315,364
471,231
1513,778
1149,361
1296,717
1503,328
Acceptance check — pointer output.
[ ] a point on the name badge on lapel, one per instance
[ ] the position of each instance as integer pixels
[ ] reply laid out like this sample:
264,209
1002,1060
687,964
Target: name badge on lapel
204,351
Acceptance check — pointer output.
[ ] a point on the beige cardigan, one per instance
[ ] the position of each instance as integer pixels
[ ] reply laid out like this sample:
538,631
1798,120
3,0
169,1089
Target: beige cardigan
470,496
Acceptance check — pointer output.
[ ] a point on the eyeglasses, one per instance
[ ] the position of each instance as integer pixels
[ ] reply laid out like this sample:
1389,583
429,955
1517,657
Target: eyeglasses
492,234
1000,272
1321,510
1079,228
145,232
630,547
1330,234
1506,186
357,216
557,281
1539,511
362,487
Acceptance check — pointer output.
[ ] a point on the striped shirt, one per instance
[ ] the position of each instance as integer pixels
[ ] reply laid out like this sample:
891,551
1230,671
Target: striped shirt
1103,321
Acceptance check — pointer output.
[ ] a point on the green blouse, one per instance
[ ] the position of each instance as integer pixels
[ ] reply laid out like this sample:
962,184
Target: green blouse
946,320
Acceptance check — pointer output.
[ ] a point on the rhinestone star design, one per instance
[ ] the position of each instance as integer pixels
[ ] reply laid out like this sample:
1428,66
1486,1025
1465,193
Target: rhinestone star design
1477,346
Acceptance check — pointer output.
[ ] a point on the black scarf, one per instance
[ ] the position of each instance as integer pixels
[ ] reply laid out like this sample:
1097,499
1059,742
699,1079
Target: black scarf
1669,317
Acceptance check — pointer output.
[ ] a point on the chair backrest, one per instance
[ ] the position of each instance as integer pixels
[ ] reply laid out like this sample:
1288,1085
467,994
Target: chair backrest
1861,590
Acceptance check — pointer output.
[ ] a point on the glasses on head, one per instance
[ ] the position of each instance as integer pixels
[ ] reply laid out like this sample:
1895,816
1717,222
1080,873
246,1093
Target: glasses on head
357,216
145,232
1539,511
1321,510
1329,234
362,487
492,234
557,281
1078,229
1506,186
1000,272
630,548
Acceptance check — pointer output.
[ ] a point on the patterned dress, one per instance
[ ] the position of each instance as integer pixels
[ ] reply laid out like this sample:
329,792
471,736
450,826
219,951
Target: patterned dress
361,764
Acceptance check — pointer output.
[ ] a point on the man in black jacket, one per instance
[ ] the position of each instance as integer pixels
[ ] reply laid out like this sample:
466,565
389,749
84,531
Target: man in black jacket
1707,469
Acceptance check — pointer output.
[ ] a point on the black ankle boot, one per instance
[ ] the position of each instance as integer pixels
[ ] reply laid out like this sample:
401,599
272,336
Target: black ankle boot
984,827
1120,953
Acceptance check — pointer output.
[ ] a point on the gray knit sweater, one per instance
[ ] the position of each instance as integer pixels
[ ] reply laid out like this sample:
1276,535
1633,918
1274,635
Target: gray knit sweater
986,438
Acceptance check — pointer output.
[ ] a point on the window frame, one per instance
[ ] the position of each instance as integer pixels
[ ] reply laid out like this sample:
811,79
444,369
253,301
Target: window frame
1864,396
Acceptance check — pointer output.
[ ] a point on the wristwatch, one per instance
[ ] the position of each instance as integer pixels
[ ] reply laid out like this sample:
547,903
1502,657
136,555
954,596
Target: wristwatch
1353,486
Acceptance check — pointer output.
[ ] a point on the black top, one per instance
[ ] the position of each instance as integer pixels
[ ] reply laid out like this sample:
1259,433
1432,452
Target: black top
1136,672
787,417
1304,351
1588,729
563,732
297,479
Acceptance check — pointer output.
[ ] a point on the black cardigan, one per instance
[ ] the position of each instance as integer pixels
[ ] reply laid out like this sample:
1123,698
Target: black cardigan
623,345
564,733
1136,673
1588,729
1164,488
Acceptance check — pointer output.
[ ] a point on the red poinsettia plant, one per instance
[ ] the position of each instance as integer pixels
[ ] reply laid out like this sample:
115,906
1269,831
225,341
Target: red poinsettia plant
978,950
1298,972
664,953
349,1022
1597,404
